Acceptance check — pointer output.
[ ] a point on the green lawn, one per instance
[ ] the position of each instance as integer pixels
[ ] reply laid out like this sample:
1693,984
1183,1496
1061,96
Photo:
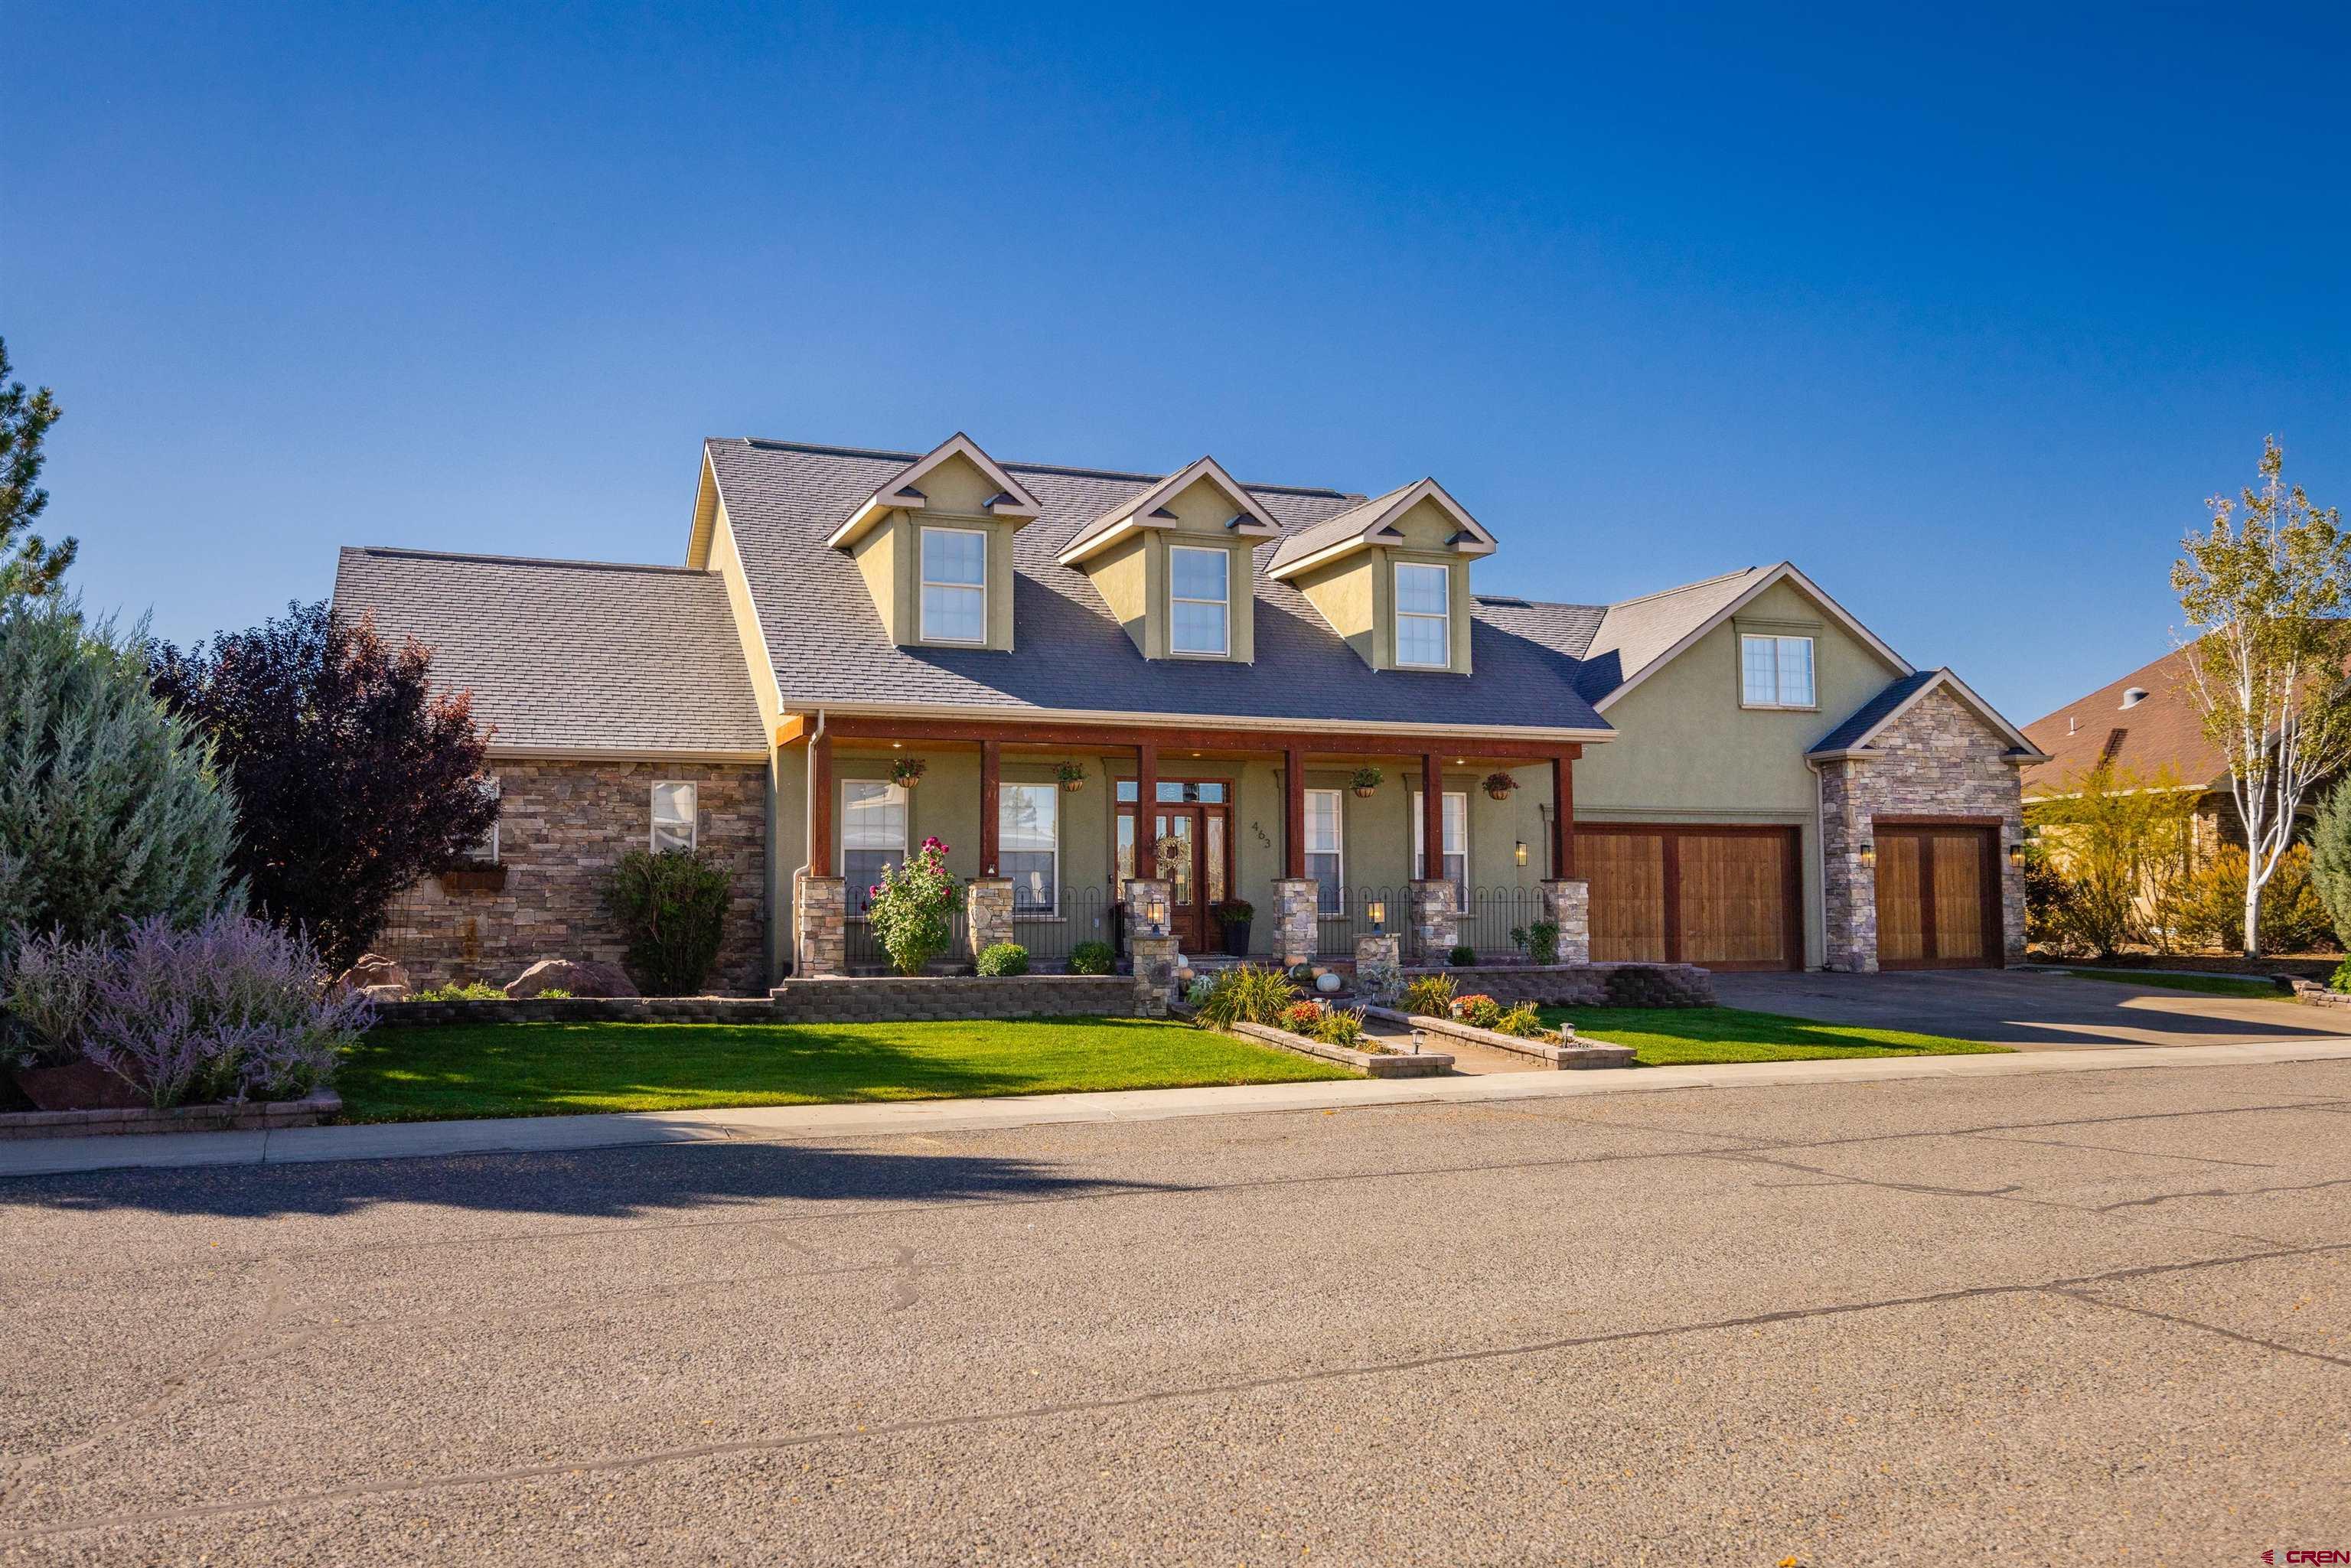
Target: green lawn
2211,984
559,1069
1680,1037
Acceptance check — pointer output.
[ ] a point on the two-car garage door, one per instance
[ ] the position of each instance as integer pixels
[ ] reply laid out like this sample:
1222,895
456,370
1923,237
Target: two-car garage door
1729,898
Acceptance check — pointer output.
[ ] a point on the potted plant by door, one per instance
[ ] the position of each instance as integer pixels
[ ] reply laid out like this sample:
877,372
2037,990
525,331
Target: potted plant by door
1499,785
1233,918
1073,777
1363,780
907,771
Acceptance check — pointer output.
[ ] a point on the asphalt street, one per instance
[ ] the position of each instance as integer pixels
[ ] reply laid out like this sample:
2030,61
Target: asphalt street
2099,1317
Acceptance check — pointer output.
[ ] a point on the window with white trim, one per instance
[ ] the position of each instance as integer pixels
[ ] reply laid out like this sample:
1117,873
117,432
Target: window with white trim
1199,600
1326,860
1029,845
1775,672
484,851
673,817
1424,616
955,585
1455,808
873,836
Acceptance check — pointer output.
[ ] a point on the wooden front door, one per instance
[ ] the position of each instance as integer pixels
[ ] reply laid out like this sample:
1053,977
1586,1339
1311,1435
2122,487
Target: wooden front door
1190,848
1938,897
1729,898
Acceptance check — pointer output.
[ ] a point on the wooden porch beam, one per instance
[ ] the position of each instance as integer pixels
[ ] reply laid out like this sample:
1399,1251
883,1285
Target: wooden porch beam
1201,738
1563,815
1432,817
1146,799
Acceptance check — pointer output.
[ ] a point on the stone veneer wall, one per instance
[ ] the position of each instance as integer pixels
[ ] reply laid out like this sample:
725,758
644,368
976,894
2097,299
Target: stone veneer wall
1939,759
562,826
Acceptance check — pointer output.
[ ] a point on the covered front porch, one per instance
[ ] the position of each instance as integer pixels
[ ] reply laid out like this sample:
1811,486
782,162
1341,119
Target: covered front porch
1067,833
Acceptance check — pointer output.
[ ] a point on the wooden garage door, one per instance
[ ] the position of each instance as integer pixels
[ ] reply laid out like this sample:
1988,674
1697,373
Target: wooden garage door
1938,897
1729,898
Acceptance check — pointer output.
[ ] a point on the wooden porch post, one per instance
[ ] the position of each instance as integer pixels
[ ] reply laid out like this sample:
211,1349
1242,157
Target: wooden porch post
819,804
1293,813
1146,798
1562,816
992,757
1432,818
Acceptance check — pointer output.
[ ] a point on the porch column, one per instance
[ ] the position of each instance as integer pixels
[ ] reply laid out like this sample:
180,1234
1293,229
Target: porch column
1567,898
991,757
1435,920
1298,899
819,899
1562,816
1146,795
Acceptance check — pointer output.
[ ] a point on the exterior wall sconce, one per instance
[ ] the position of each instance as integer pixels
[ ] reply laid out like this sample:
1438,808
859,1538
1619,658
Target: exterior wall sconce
1159,918
1520,853
1378,910
1869,855
2016,854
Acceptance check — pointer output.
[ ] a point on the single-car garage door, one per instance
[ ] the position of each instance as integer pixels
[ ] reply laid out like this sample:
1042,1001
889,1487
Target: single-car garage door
1729,898
1938,896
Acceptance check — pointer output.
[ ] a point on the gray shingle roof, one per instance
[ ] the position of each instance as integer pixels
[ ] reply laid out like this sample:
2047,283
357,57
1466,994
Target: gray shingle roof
784,498
1856,730
1635,633
568,655
1300,543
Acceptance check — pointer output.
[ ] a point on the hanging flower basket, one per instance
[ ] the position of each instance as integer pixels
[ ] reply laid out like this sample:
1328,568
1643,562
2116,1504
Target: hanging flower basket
1365,781
908,771
1072,776
1499,785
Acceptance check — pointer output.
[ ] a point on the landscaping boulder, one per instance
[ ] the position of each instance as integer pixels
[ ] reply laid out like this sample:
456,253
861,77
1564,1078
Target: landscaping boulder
384,993
582,979
372,974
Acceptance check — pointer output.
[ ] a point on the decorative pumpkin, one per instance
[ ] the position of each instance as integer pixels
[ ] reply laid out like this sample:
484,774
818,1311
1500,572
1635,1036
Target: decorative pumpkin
1326,982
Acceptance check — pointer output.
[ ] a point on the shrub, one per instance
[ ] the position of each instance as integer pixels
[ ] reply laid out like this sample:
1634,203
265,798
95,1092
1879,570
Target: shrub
912,907
2293,917
1462,957
2341,980
1302,1017
109,810
1093,958
355,769
1521,1021
2121,844
1430,996
462,991
1543,942
1476,1010
1340,1025
50,988
2330,858
1244,994
1004,958
1233,912
672,909
1201,989
553,993
231,1009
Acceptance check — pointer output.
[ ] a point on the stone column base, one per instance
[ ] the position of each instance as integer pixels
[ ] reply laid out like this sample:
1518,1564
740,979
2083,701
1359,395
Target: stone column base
1567,903
988,908
819,926
1154,973
1436,923
1296,932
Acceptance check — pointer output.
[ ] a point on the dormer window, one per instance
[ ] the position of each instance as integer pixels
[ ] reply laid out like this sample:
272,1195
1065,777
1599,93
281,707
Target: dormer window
1424,627
1199,595
955,585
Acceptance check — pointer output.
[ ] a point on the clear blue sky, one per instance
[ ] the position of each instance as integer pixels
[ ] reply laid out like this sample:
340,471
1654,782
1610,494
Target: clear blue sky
1964,313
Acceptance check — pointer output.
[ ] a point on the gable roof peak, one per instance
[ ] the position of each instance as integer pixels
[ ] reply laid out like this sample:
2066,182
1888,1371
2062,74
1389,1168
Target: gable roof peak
1149,510
1373,522
901,493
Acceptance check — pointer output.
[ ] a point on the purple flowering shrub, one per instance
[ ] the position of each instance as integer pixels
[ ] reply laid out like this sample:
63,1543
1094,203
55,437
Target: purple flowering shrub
232,1009
47,989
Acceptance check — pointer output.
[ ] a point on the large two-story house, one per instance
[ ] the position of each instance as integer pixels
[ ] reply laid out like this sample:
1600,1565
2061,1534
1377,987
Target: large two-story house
1087,682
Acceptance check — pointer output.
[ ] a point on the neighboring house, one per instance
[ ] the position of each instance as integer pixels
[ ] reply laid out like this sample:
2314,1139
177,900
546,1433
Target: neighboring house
2146,725
1735,773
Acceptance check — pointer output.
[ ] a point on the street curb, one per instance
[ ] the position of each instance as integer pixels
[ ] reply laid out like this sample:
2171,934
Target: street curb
786,1123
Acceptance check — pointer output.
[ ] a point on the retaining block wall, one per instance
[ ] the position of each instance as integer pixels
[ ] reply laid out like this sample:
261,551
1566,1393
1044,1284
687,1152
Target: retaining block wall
1585,985
858,999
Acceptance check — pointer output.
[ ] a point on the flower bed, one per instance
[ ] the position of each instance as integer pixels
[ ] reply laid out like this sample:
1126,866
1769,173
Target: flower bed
1371,1065
253,1116
1563,1050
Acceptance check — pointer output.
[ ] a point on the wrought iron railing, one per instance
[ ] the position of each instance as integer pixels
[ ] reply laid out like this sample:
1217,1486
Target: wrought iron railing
1355,908
1081,914
1493,914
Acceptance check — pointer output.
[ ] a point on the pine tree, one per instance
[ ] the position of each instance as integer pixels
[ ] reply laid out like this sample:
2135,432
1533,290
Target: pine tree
28,563
109,810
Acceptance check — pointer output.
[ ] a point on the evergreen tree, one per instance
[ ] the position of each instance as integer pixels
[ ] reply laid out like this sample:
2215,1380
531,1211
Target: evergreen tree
28,563
109,810
2330,858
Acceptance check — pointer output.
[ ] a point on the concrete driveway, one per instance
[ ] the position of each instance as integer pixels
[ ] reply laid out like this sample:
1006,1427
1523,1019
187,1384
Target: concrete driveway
2032,1011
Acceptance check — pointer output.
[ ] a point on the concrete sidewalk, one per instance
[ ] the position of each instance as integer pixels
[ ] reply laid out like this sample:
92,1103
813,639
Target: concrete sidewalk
541,1135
